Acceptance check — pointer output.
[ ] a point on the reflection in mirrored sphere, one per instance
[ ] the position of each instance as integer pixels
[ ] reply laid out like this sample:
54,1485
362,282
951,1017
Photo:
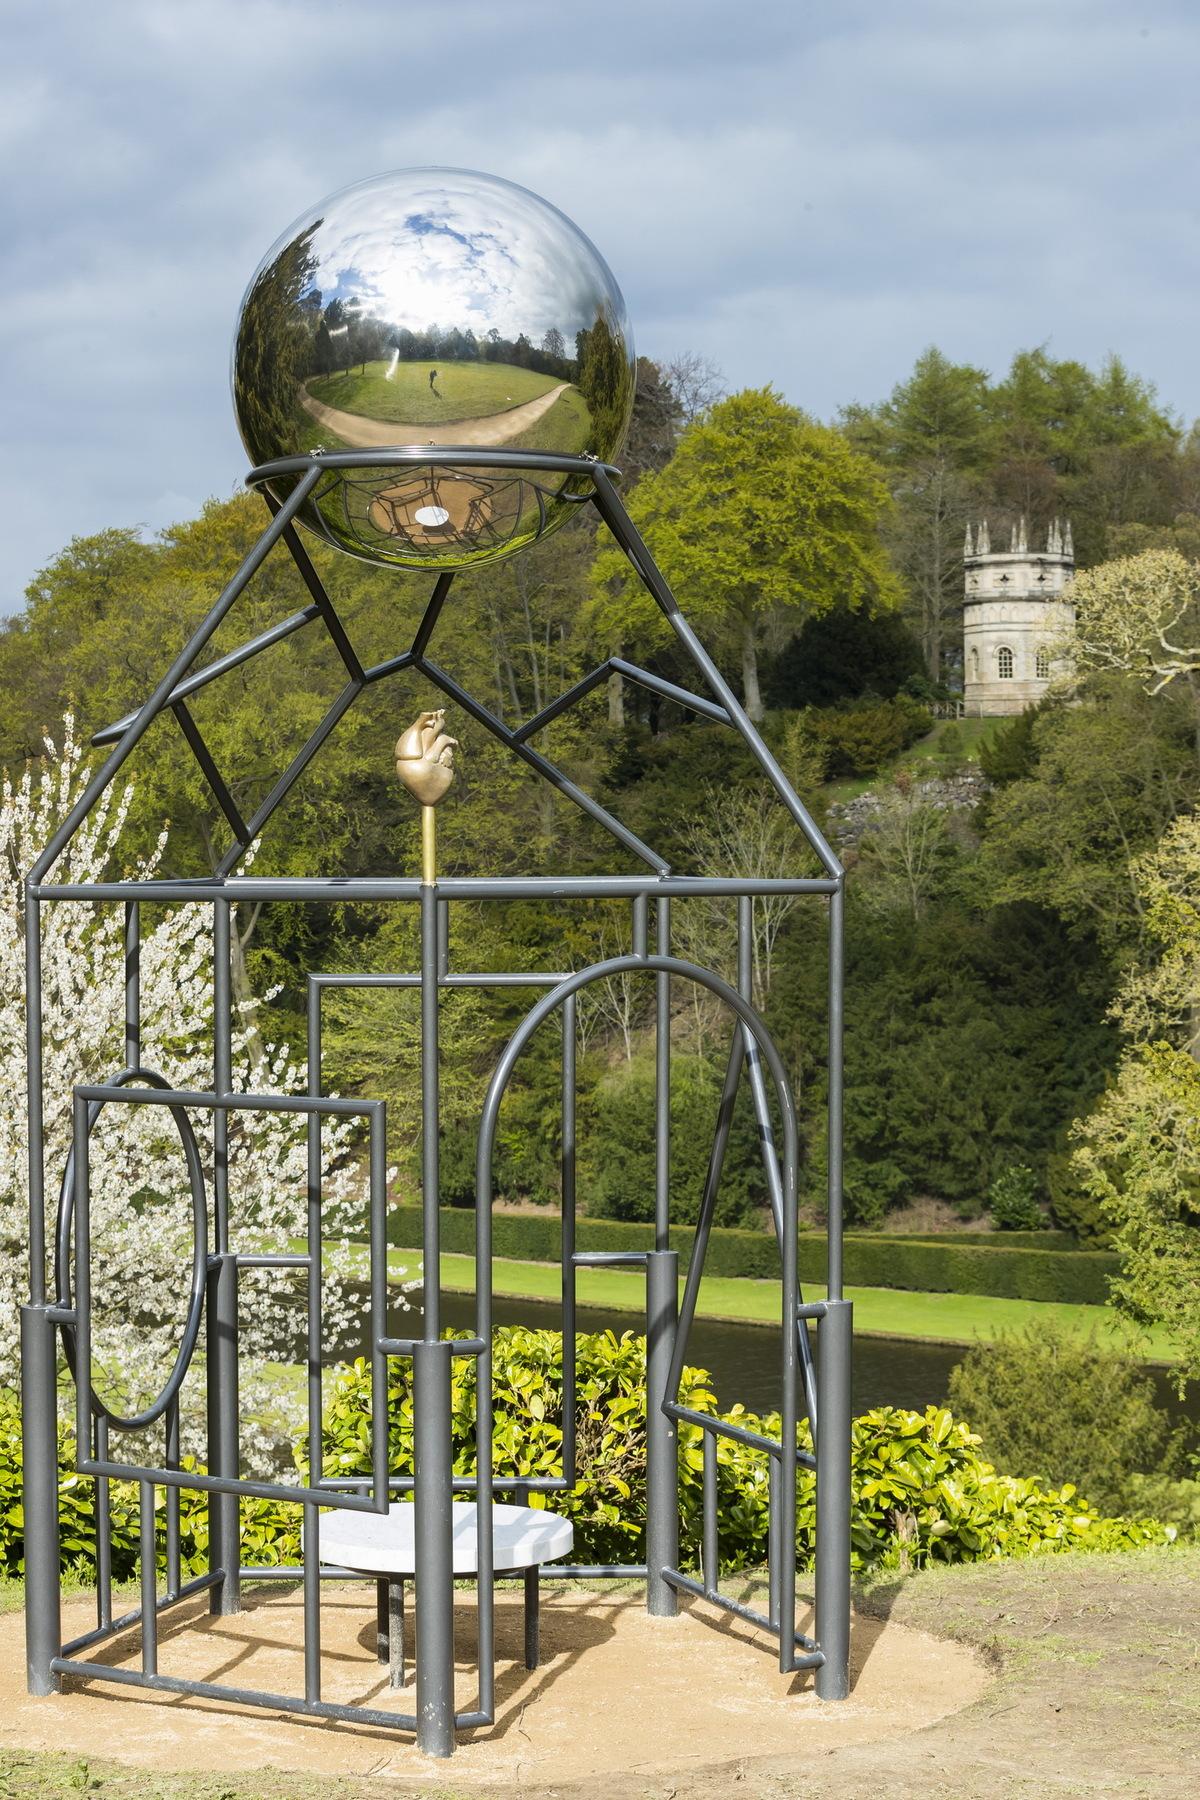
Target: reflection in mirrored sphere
430,307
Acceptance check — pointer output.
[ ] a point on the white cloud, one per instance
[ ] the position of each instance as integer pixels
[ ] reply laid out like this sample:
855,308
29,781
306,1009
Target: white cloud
807,194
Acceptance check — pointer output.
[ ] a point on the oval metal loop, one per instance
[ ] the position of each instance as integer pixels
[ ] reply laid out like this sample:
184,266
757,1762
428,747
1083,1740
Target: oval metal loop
62,1250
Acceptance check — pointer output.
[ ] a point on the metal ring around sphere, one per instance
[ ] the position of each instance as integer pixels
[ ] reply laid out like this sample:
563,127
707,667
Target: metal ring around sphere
62,1247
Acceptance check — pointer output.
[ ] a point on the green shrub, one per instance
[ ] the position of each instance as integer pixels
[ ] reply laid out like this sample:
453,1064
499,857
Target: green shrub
861,739
1068,1411
617,1153
1073,1207
921,1489
1012,1199
967,1263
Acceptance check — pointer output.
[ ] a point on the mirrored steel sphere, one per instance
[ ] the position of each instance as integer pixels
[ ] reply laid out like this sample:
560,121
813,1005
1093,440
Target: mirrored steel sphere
433,307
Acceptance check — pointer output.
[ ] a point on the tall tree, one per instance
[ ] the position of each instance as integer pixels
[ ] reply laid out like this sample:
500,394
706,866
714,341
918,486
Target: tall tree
760,515
932,437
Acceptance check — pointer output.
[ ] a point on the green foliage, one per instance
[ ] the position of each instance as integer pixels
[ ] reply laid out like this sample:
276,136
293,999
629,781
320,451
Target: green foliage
1072,1203
921,1489
968,1263
971,1038
760,511
1010,754
617,1154
863,738
270,1531
843,655
1067,1410
1013,1199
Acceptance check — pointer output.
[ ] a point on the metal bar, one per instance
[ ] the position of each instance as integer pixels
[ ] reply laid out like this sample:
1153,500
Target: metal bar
536,761
432,1464
687,1415
710,1559
575,692
315,889
833,1503
147,1566
313,1335
662,1082
391,665
611,1259
485,1487
430,1221
444,455
462,1484
81,1157
379,1252
597,1571
133,985
222,1067
103,1534
316,587
210,772
669,690
567,1165
233,660
662,1438
151,708
430,616
457,1346
212,1102
237,1696
837,962
221,1484
275,1259
187,1592
611,510
34,1085
504,978
640,941
224,1449
39,1433
292,773
813,1660
708,1201
170,1501
774,1547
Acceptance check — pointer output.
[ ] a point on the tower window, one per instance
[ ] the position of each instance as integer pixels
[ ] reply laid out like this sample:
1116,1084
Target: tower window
1004,663
974,665
1042,665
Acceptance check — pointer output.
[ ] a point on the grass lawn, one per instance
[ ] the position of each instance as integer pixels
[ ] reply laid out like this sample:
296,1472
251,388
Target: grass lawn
891,1312
466,390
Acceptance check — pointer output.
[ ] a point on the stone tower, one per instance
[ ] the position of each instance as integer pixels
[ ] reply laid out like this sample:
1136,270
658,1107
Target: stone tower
1015,611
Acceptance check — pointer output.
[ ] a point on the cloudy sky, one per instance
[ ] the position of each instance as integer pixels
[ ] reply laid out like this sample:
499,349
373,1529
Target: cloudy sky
807,191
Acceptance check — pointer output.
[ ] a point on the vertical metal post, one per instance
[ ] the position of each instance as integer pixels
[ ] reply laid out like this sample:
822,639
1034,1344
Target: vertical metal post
148,1571
39,1497
774,1559
133,986
833,1501
662,1442
224,1510
837,964
568,1236
170,1500
104,1613
433,1469
33,1068
430,1223
313,1334
710,1559
662,1082
224,1449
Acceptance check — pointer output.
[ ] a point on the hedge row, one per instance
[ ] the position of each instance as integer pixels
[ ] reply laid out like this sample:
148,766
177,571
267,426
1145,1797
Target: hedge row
951,1266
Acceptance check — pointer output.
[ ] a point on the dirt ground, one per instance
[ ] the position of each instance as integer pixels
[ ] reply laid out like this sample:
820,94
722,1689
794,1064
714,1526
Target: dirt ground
1065,1676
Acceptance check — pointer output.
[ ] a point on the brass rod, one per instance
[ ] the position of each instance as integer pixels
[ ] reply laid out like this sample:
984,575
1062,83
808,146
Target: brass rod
429,846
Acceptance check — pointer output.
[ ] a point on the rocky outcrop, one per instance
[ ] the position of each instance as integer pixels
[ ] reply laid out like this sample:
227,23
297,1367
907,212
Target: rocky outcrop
849,819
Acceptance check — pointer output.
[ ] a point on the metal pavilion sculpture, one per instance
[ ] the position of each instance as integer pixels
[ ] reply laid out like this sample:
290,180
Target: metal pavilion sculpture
59,1304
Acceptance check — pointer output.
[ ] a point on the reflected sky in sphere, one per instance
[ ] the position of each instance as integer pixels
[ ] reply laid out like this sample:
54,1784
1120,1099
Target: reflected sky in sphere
434,307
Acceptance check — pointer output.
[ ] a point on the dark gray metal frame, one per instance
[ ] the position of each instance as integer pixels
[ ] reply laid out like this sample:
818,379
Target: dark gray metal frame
819,1390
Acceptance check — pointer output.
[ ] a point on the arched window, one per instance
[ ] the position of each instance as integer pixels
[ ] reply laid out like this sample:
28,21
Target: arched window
1004,663
1042,665
974,665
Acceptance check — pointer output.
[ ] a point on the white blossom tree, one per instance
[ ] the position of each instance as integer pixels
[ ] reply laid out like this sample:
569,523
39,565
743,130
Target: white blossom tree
141,1225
